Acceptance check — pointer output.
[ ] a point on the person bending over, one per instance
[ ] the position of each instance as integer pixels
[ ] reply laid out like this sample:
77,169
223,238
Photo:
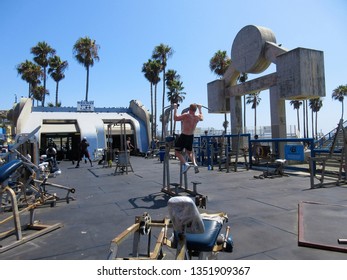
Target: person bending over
83,151
189,121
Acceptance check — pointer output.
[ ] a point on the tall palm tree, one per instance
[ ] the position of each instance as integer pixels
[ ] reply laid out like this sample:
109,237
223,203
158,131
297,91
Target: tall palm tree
254,99
56,69
296,105
176,93
172,79
31,73
85,51
338,94
315,105
42,52
151,70
162,52
219,64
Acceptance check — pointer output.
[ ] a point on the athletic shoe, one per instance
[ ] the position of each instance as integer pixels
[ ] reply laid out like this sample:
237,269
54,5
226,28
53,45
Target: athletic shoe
185,168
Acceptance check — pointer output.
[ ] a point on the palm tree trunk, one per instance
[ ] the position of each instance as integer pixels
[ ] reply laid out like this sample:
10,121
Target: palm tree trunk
303,118
163,105
316,125
44,86
87,83
152,122
155,111
56,94
171,119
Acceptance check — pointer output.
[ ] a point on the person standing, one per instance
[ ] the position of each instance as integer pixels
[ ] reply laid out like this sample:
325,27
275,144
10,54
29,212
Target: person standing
189,121
83,151
130,146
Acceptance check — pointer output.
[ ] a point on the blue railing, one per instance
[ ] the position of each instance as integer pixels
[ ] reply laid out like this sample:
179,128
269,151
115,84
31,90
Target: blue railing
327,140
308,142
207,147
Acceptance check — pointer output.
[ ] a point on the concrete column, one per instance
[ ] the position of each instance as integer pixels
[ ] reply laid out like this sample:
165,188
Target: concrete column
235,117
278,118
278,114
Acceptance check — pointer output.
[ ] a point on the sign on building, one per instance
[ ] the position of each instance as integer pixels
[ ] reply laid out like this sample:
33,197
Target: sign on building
85,106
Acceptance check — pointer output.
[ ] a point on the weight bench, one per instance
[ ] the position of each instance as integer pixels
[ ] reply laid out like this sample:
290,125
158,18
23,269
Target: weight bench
191,234
196,234
278,172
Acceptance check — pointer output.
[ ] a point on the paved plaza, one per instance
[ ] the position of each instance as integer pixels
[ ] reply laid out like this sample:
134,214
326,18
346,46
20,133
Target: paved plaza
263,213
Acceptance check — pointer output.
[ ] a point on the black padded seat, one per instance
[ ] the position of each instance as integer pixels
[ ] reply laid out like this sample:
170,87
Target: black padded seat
8,168
204,242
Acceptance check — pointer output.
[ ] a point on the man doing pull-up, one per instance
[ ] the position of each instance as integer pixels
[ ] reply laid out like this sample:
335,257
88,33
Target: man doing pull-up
189,121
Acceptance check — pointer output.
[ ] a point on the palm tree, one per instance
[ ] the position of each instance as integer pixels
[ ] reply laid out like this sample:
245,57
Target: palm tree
338,94
31,73
171,78
162,52
151,70
42,52
315,105
86,52
219,64
50,104
175,94
306,118
296,104
304,109
56,69
38,92
254,99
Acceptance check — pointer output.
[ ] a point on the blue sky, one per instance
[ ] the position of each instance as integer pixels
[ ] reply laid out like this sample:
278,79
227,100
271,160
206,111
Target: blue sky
127,32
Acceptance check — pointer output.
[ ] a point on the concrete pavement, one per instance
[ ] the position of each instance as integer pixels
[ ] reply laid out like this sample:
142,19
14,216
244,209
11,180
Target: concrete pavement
263,213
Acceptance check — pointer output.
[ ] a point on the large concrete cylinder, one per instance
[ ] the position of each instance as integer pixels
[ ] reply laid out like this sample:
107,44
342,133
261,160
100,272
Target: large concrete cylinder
248,49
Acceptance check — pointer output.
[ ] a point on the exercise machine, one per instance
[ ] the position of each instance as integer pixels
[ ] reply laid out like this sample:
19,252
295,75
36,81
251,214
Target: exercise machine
7,193
186,234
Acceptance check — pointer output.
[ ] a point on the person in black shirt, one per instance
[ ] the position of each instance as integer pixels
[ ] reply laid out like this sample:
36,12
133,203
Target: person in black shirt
83,151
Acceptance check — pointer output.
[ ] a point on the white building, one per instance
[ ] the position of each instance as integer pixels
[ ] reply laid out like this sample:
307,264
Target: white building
66,126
